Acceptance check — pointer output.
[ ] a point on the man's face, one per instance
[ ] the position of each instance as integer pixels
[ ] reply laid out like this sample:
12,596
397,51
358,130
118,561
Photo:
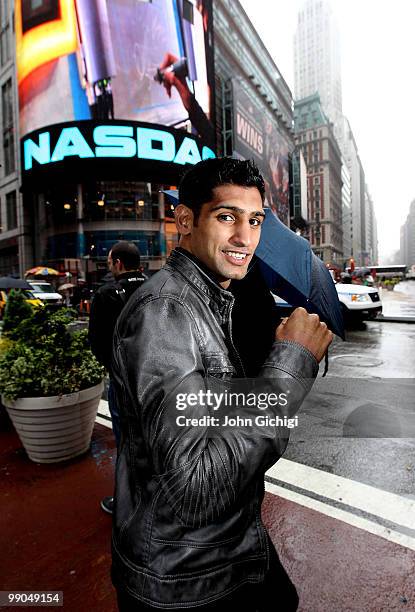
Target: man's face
227,231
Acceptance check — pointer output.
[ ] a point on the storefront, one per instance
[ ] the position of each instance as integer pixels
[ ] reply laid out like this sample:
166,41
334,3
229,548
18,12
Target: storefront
115,103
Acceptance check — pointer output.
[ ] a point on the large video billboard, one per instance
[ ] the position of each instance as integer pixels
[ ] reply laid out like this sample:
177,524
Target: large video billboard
257,137
135,60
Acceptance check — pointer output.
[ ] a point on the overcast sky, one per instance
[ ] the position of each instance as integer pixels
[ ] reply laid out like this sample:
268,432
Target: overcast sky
378,80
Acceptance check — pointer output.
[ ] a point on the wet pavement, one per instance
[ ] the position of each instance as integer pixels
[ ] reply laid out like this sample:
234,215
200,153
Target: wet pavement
338,567
400,302
348,476
340,505
54,535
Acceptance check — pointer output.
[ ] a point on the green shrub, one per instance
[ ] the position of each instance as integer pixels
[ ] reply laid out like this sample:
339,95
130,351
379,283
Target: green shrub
17,310
44,358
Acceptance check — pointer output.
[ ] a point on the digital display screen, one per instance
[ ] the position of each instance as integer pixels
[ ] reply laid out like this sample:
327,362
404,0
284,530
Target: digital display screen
118,60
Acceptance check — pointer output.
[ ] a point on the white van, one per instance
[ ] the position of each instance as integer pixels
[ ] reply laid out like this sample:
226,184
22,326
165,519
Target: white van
359,301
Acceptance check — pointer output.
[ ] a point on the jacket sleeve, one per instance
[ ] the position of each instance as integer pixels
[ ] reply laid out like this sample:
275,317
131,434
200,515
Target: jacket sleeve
159,354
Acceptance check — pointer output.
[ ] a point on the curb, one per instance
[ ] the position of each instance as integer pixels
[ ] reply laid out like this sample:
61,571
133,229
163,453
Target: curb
395,319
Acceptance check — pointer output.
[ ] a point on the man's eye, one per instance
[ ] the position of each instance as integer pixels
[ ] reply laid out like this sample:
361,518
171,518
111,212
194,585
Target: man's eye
255,221
226,217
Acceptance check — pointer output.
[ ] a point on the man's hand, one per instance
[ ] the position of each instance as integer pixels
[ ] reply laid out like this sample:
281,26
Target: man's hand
307,330
171,80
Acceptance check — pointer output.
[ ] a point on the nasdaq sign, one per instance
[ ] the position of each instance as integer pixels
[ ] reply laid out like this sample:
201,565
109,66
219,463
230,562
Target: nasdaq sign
87,140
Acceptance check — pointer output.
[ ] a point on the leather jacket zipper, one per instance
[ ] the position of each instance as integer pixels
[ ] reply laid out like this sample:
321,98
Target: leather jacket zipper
232,346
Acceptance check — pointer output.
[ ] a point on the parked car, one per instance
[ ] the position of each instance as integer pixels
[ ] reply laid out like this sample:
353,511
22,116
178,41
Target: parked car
45,292
29,295
359,301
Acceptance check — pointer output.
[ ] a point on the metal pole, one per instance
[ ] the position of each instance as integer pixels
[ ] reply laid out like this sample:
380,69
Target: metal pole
80,244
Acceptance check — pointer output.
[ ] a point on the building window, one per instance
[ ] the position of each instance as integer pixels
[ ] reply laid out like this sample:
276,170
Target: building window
5,44
8,127
11,209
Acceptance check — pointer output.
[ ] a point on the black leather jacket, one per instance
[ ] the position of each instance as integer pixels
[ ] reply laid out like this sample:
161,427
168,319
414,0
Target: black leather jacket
187,527
108,302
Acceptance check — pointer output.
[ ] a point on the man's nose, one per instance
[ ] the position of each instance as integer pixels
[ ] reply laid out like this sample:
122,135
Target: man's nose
242,235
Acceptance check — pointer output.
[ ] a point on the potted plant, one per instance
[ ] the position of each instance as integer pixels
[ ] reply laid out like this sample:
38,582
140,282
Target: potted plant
50,382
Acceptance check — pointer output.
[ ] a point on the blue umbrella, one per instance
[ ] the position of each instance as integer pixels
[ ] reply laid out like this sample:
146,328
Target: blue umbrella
290,269
295,273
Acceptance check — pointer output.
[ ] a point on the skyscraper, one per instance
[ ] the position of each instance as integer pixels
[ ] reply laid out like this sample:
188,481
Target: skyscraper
317,69
317,65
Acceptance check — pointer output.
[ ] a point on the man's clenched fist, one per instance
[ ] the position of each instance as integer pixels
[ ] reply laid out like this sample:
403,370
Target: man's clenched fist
306,329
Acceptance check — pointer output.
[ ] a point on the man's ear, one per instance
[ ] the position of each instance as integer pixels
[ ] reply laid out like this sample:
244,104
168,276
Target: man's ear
183,216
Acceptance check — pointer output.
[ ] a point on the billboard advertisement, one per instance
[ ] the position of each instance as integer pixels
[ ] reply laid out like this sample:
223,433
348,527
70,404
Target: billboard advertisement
133,60
257,137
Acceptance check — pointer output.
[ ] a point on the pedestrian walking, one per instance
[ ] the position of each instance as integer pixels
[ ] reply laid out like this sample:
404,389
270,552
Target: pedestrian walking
109,300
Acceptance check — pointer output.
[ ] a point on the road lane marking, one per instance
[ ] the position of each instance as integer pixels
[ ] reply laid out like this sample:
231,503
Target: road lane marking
371,500
103,421
103,416
346,517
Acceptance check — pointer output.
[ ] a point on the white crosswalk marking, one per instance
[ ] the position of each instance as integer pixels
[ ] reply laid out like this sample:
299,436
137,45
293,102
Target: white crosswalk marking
384,505
389,506
341,515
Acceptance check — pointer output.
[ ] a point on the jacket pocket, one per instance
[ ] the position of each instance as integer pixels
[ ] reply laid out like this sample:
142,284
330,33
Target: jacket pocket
218,365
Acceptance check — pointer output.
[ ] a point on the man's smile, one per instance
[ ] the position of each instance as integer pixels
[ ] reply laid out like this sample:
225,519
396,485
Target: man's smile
236,257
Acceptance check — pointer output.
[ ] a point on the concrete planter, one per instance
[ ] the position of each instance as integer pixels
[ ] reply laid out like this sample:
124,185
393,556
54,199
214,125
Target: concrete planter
56,428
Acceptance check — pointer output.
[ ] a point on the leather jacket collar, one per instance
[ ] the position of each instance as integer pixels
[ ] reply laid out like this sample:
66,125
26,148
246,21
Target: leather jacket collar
190,267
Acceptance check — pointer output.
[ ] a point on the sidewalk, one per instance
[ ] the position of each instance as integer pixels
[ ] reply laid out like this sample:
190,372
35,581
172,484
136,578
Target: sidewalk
56,537
398,305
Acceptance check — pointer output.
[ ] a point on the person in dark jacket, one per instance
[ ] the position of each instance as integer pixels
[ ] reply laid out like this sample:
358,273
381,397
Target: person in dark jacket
187,528
109,300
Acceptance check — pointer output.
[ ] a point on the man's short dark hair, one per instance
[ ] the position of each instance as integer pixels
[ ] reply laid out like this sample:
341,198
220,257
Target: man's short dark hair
127,253
197,185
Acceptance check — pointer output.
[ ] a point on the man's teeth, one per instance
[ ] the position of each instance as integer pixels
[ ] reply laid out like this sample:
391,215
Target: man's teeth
236,255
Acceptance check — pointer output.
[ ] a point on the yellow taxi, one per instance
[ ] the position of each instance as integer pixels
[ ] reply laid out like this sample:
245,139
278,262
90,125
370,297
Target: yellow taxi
30,298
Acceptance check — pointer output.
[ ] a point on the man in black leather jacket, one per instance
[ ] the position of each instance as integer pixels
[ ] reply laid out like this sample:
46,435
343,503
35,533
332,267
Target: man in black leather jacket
109,300
187,529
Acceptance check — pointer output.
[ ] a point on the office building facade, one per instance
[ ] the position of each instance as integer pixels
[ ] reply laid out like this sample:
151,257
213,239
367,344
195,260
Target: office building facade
315,137
254,104
407,245
12,223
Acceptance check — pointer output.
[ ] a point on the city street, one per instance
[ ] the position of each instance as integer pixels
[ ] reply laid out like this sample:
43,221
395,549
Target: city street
341,503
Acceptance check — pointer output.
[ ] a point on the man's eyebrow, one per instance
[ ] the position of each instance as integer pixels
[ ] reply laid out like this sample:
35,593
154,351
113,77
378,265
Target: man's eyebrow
241,211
